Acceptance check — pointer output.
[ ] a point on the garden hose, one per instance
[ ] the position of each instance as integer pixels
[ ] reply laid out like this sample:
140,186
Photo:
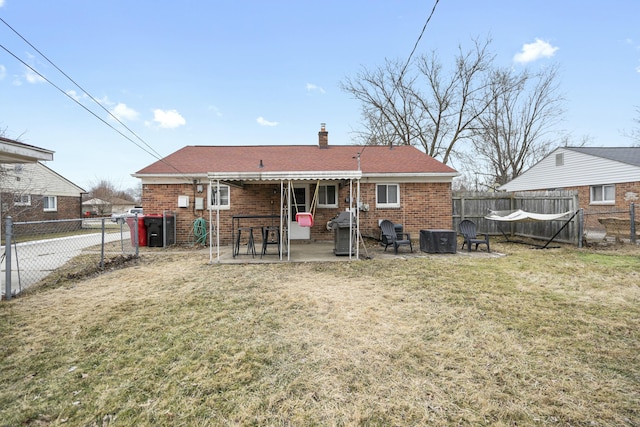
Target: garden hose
199,231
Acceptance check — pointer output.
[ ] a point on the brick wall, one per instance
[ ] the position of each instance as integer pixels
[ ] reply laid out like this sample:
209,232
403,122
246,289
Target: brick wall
67,208
626,193
423,206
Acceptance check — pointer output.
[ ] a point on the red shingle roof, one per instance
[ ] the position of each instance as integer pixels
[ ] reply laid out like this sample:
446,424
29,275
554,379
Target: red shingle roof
192,160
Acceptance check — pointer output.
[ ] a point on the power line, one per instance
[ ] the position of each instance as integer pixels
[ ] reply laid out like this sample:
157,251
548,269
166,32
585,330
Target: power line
415,46
152,153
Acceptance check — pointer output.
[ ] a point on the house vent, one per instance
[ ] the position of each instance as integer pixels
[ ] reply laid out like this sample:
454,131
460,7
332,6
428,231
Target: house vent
560,159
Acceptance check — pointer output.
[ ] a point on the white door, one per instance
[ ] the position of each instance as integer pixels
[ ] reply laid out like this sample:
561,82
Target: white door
299,203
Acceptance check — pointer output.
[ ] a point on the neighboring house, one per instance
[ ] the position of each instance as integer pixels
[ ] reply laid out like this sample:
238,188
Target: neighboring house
607,178
119,206
102,207
17,152
34,192
96,206
400,183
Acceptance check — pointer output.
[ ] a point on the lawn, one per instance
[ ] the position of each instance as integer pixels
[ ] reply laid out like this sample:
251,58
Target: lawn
534,337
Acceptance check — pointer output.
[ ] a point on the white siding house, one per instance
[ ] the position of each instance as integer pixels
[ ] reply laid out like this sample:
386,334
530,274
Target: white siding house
32,191
607,179
581,166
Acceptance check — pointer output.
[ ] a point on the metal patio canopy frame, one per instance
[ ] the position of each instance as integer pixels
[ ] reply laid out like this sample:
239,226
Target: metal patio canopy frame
287,178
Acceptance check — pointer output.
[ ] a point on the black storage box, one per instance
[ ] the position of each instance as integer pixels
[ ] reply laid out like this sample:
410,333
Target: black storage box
438,241
156,231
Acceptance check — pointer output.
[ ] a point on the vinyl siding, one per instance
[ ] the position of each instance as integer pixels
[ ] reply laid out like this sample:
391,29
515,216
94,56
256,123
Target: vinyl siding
36,178
578,169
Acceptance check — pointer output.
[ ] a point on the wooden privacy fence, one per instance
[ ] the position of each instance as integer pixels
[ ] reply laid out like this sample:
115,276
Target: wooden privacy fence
476,205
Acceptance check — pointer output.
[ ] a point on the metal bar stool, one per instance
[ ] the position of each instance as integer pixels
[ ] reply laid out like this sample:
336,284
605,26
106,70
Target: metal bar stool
251,247
270,236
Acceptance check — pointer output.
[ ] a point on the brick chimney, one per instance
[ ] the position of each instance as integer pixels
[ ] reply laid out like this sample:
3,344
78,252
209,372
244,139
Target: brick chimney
323,137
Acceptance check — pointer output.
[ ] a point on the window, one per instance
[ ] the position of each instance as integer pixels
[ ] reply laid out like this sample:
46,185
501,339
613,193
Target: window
224,196
50,203
22,199
328,196
388,195
560,159
603,194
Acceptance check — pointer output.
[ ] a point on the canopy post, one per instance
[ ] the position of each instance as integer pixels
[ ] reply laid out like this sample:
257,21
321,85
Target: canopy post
289,191
350,217
358,218
218,218
210,223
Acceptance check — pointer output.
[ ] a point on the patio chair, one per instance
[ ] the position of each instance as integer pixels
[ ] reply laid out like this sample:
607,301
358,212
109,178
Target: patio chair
391,237
468,230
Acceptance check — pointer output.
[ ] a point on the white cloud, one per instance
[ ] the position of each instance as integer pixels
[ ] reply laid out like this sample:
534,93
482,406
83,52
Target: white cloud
32,77
106,101
533,51
72,93
122,112
168,119
314,88
3,70
264,122
216,110
1,3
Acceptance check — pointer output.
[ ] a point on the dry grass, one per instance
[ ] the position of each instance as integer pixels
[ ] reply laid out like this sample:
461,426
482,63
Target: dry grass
530,338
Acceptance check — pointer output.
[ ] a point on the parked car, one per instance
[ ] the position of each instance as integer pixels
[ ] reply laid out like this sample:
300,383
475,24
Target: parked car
120,218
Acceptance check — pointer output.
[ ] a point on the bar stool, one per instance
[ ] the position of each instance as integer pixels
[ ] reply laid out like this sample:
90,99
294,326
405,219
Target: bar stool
270,236
251,247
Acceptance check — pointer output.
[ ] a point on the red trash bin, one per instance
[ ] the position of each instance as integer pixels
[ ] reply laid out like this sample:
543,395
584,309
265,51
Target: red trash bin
142,230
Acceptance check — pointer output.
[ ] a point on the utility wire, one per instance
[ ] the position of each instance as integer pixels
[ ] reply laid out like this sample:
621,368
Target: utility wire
415,46
153,152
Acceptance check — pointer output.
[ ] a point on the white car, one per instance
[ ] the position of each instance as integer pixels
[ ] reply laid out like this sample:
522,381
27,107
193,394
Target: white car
120,218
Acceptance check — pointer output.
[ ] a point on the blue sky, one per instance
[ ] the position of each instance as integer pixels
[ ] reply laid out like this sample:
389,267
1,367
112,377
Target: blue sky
269,72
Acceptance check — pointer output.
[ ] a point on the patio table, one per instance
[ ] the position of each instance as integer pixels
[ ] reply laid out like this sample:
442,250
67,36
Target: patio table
235,225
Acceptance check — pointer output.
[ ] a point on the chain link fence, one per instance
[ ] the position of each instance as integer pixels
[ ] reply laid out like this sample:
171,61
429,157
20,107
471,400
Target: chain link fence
621,225
32,251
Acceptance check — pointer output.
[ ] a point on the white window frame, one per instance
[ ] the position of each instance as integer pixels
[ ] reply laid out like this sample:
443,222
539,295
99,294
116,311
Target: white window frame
603,191
226,204
327,203
25,200
46,203
387,204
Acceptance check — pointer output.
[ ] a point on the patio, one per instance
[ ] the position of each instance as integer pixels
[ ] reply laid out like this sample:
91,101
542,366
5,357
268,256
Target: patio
323,252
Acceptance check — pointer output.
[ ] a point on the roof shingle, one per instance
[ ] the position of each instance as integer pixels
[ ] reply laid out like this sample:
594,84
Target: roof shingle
200,159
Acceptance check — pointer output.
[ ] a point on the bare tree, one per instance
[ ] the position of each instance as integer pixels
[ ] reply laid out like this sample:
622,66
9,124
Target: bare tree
429,107
107,191
635,133
513,131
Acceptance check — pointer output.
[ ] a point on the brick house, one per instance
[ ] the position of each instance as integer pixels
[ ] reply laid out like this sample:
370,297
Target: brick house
400,183
607,179
34,192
